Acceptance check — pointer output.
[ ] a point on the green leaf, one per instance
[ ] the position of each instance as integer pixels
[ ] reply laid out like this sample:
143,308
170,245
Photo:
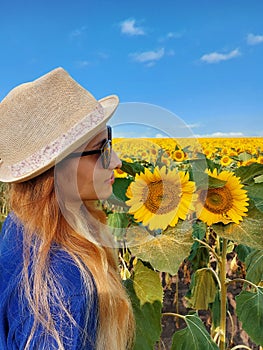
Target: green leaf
197,172
212,165
147,319
215,308
203,290
164,252
132,168
117,223
120,187
248,232
147,284
244,156
255,192
194,336
199,255
250,313
215,183
258,179
242,251
254,264
247,174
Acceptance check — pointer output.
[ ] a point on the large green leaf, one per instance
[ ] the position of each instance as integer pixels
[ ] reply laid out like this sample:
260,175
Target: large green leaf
243,251
254,263
244,156
258,179
203,289
164,252
255,192
193,337
147,318
250,313
132,168
147,284
215,308
199,255
248,174
119,189
248,232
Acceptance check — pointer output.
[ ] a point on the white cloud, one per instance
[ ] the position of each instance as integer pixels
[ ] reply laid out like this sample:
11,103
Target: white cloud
222,134
160,136
83,63
130,27
170,36
148,57
77,32
254,39
194,125
215,57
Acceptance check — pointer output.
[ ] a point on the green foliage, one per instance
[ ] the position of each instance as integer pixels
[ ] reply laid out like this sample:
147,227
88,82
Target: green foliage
147,306
215,310
199,255
248,232
250,312
147,284
254,263
194,336
215,183
251,176
243,251
164,252
248,174
117,223
203,289
132,168
255,192
120,187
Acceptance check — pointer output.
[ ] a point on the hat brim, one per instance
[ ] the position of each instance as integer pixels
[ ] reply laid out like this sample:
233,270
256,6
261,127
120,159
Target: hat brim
46,158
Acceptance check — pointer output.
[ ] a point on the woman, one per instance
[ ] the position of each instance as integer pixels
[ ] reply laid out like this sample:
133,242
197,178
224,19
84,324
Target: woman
60,287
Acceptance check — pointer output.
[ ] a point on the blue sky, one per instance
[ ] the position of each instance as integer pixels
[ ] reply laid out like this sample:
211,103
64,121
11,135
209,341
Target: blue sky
199,59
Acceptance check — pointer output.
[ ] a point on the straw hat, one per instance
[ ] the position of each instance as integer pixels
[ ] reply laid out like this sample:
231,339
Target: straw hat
44,120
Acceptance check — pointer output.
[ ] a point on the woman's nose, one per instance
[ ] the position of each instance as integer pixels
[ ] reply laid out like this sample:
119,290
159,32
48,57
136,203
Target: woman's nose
115,161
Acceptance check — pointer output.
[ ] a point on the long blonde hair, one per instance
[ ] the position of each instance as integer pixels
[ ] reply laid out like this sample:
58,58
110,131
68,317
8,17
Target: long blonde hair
34,203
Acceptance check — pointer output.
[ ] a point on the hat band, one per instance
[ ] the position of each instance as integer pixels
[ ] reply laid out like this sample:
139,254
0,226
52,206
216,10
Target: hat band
45,155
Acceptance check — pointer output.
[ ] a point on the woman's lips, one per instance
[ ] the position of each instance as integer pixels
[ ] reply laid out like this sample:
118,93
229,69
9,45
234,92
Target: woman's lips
111,179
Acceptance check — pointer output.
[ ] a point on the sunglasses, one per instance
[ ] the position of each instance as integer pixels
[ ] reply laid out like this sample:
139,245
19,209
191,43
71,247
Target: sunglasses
105,151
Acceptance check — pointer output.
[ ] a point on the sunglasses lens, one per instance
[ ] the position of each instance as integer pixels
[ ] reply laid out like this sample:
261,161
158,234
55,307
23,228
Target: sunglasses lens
106,155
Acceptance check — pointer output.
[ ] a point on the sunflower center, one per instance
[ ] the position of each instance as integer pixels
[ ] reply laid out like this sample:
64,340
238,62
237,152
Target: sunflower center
219,200
161,196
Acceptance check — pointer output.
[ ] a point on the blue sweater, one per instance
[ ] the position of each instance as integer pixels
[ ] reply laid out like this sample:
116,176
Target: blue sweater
16,318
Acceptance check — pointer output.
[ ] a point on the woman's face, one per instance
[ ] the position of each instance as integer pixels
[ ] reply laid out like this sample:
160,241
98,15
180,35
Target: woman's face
84,178
95,182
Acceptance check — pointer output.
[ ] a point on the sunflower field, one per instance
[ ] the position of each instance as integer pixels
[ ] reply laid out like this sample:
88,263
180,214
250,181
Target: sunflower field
187,219
191,210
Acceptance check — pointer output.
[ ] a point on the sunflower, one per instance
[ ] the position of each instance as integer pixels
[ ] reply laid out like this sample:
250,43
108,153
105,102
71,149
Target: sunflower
160,198
225,160
118,173
178,155
223,204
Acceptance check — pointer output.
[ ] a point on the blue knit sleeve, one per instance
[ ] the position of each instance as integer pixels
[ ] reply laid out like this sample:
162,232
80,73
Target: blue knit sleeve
71,335
16,319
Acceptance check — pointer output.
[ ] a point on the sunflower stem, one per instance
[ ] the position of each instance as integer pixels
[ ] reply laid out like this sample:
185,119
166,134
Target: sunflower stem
242,280
173,314
223,306
218,258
